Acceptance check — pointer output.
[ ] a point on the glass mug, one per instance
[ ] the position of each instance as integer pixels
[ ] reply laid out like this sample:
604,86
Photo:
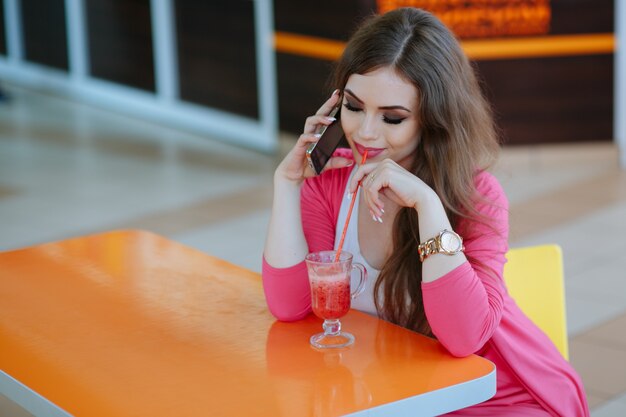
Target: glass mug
331,296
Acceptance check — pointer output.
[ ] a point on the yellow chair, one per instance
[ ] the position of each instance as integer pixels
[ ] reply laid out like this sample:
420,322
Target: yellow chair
534,278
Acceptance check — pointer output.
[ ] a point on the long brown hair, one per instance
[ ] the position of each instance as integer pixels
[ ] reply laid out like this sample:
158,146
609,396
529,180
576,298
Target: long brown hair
456,139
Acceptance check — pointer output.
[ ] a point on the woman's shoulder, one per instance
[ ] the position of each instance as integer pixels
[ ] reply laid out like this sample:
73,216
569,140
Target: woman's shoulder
486,180
489,188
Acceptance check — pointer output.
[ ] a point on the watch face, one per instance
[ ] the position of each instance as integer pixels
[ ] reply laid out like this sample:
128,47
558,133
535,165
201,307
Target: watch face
450,242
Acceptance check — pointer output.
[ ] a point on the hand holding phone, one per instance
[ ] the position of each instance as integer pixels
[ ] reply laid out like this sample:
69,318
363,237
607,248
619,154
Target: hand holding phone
318,154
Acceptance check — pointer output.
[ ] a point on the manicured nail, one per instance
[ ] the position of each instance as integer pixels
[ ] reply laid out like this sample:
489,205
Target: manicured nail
379,220
331,119
334,92
382,210
318,135
350,163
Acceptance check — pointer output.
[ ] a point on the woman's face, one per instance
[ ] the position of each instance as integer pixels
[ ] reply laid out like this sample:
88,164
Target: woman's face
380,114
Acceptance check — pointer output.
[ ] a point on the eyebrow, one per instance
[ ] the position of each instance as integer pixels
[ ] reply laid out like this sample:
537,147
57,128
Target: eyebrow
347,90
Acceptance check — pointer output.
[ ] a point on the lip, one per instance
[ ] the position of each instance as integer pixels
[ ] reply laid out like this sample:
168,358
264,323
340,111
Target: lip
371,152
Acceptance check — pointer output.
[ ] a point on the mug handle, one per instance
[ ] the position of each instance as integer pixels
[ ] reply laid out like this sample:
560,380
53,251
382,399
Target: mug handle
362,279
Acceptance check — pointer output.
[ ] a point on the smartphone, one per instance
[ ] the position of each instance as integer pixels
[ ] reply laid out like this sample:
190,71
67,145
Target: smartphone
319,153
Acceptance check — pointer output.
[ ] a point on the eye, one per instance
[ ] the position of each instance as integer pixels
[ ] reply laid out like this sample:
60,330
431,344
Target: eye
392,121
350,107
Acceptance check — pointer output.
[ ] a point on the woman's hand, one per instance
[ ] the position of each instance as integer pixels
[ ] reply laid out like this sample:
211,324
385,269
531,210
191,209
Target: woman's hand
294,167
394,182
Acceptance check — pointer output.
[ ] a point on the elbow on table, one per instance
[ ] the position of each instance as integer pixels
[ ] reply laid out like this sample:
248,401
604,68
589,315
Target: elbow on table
289,314
460,353
460,348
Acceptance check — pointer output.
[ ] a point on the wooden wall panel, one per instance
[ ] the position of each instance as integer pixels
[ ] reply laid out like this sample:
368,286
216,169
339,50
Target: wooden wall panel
44,33
582,16
3,37
119,36
536,100
566,99
302,81
300,93
556,99
324,18
217,55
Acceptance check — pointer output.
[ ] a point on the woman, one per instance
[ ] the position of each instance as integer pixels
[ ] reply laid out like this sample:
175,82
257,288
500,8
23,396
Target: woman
410,98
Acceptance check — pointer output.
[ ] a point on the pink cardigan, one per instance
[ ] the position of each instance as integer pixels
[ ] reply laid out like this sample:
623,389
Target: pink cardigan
468,310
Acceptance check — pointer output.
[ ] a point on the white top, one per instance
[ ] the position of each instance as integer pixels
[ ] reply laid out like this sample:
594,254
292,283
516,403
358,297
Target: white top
365,301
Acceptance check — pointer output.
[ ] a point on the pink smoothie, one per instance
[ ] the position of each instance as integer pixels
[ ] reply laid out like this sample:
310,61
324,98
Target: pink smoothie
330,297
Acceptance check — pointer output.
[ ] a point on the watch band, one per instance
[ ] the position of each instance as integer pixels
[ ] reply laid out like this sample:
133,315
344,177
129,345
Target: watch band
433,245
425,249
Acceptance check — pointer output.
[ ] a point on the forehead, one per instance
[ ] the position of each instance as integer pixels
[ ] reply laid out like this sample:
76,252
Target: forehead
383,87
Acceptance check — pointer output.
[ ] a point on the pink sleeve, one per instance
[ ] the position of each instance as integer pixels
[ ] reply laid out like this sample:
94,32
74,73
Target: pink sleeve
287,290
464,307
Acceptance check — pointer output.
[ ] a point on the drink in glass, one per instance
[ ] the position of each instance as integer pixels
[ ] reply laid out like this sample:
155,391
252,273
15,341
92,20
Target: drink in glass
330,294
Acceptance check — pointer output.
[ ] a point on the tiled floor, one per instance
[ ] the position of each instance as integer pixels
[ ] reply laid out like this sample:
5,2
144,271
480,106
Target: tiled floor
68,169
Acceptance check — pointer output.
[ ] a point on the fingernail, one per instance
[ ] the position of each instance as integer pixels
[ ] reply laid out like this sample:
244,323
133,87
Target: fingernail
382,210
350,163
334,92
349,196
379,220
374,218
318,135
331,119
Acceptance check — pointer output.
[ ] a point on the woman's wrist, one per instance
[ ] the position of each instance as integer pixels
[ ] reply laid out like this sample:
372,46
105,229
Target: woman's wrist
281,183
428,198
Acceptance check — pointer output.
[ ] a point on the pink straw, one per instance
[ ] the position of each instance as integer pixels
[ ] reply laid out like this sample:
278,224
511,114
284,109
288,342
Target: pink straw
345,226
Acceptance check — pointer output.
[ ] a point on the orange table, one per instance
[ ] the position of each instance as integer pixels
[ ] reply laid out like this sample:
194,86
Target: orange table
128,323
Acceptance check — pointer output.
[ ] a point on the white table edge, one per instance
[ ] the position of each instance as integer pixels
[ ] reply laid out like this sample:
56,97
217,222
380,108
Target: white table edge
440,401
433,403
28,399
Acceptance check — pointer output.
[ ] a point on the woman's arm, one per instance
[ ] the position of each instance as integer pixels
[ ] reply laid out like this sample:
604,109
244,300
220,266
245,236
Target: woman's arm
464,306
285,244
393,181
287,289
285,279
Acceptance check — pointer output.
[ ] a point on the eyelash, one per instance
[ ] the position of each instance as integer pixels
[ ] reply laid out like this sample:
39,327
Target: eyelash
385,119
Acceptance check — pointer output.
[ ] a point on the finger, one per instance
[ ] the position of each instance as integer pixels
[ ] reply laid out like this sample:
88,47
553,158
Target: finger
309,137
306,139
312,123
375,212
358,176
302,144
372,187
392,196
338,162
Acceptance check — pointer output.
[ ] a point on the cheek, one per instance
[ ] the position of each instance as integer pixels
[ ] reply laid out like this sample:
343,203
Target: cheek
349,123
404,144
406,138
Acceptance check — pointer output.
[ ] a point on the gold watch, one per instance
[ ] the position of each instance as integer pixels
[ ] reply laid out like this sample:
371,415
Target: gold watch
446,241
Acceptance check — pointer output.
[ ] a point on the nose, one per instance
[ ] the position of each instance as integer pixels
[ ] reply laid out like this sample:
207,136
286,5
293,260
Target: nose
368,129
